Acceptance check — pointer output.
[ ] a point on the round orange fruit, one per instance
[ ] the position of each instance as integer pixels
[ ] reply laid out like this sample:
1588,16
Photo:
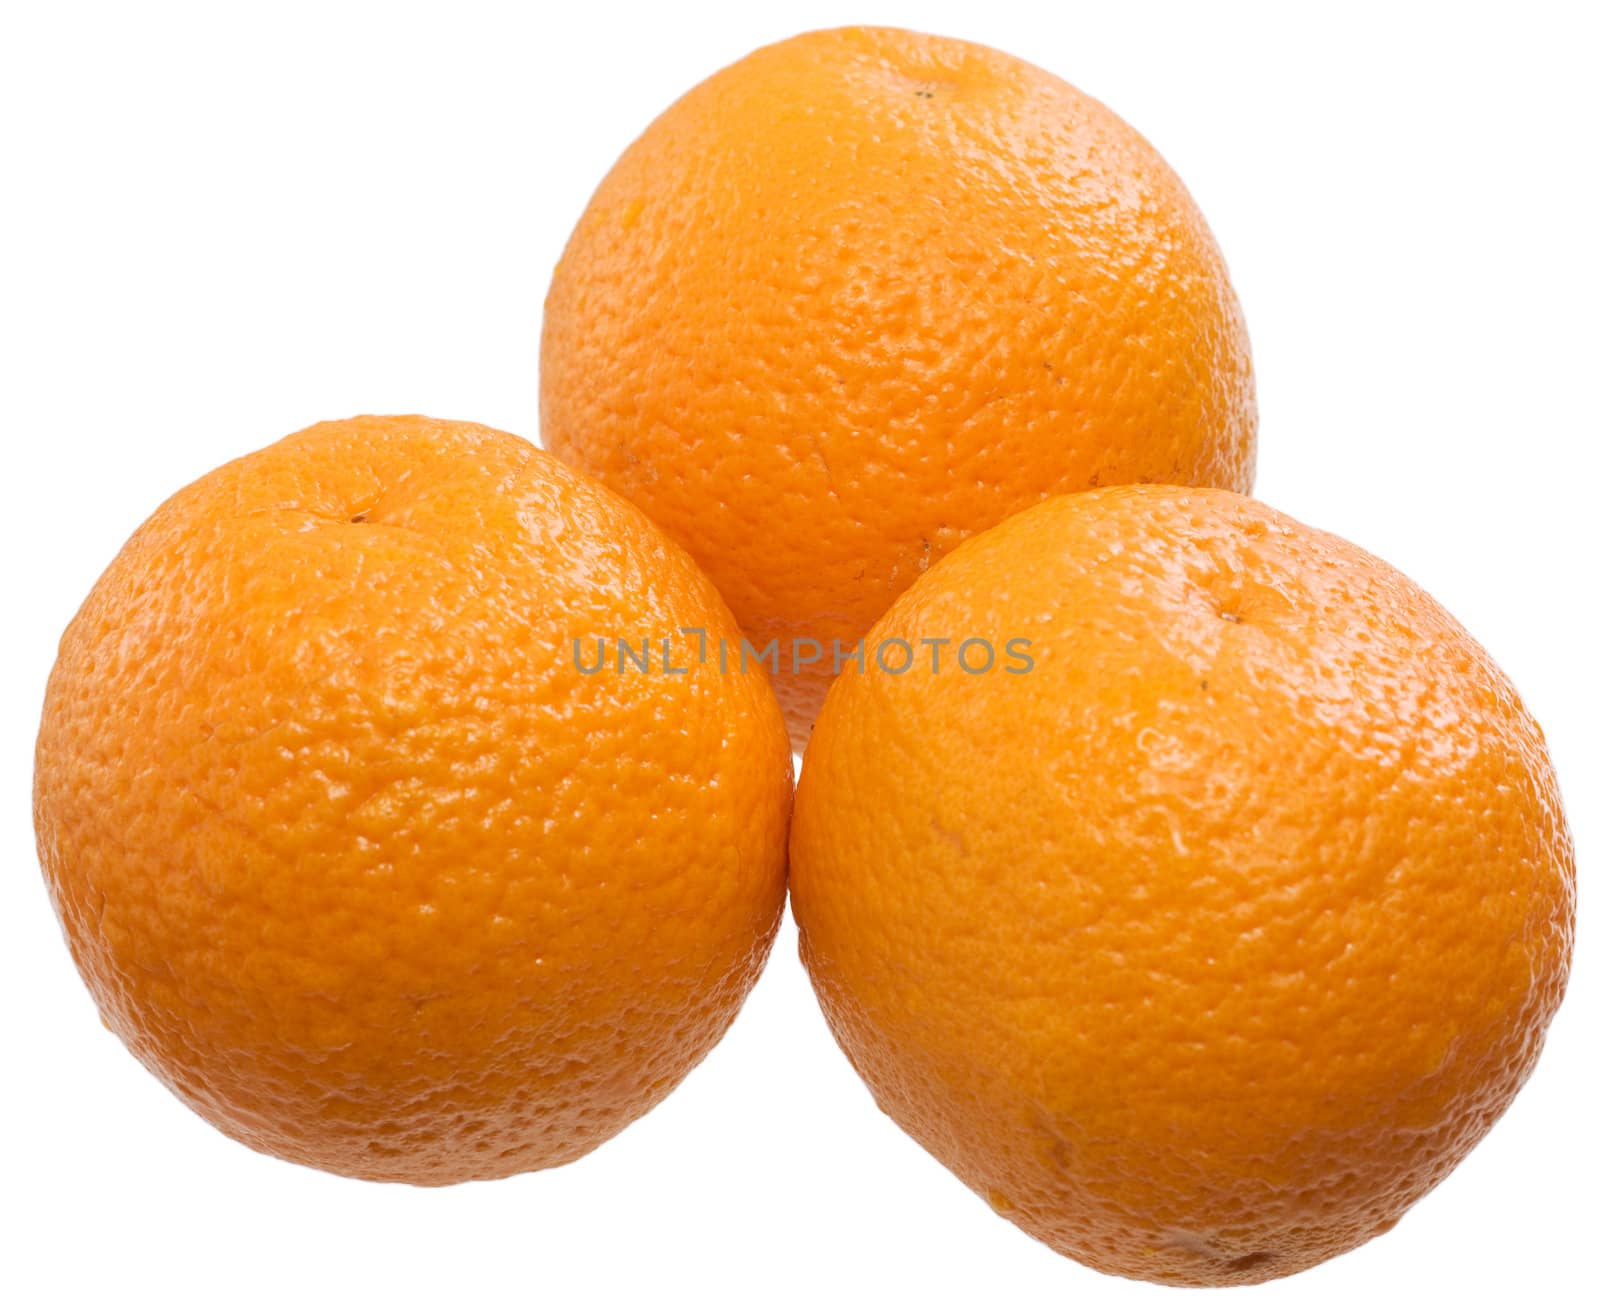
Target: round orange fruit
866,292
1209,928
353,849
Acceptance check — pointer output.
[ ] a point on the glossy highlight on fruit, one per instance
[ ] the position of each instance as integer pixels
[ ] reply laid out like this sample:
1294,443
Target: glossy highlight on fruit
348,850
866,292
1205,948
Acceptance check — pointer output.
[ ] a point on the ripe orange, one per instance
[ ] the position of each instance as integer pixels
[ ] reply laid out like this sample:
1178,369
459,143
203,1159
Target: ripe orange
1209,944
866,292
348,850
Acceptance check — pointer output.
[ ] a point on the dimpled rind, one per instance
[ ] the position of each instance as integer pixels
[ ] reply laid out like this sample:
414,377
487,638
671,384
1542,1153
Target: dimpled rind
347,850
1205,948
866,292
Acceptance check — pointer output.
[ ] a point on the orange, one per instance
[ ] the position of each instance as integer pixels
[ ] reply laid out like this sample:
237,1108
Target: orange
1207,931
348,850
866,292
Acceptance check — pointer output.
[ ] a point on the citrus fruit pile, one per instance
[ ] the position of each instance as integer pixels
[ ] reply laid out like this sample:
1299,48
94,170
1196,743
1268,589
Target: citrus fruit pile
416,802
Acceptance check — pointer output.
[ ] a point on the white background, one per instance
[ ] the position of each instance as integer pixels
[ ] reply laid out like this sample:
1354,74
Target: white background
218,226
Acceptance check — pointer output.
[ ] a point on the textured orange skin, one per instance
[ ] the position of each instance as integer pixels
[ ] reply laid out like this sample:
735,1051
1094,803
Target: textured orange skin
866,292
1210,945
347,851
